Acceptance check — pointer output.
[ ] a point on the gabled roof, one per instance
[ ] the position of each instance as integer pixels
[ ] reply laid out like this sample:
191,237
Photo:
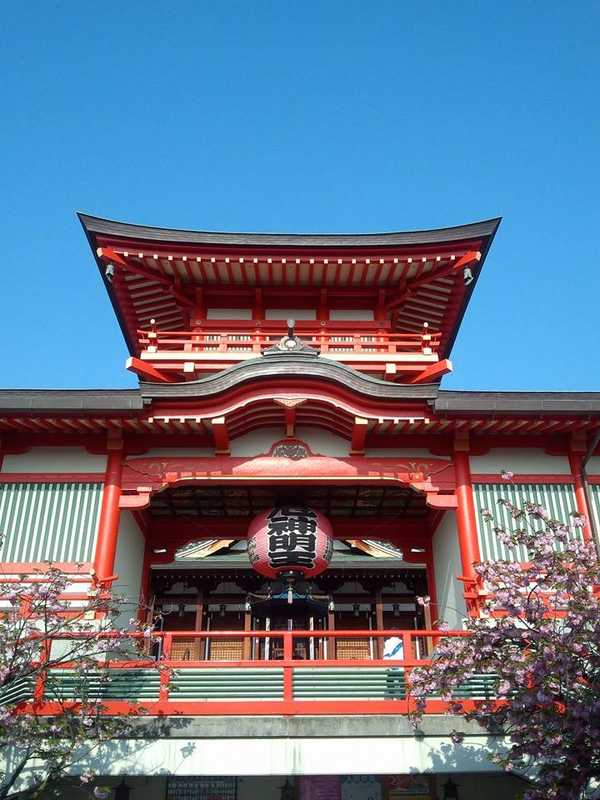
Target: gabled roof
159,270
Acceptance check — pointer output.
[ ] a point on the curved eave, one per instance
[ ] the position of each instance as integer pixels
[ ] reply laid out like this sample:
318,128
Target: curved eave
289,366
102,232
106,227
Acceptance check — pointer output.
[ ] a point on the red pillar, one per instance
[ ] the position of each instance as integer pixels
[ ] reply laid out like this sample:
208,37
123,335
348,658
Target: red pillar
108,529
576,462
465,512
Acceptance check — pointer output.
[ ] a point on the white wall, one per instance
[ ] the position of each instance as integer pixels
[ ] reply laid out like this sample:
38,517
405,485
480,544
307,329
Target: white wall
260,441
593,466
520,460
389,452
447,565
228,313
290,313
343,314
129,564
55,459
294,756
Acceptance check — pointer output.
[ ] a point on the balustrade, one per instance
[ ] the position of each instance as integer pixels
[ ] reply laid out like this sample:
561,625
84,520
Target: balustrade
281,672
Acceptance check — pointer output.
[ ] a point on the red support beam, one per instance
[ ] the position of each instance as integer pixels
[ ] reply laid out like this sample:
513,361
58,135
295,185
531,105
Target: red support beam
108,527
109,256
576,463
404,532
290,420
221,435
465,512
390,371
146,370
429,277
359,434
433,372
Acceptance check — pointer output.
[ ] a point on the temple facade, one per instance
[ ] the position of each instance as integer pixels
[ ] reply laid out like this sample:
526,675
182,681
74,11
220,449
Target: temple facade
293,502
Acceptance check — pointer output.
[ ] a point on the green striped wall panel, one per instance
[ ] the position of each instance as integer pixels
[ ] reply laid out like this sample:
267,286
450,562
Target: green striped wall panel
232,684
49,521
132,685
226,684
557,498
17,691
348,683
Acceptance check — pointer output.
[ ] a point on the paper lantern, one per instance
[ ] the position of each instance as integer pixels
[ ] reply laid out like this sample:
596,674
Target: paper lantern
290,539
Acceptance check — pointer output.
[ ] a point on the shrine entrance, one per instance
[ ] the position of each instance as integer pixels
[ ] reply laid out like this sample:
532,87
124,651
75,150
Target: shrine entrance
217,593
370,586
298,608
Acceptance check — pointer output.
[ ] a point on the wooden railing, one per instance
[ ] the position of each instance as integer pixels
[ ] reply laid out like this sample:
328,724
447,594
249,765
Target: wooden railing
232,341
264,680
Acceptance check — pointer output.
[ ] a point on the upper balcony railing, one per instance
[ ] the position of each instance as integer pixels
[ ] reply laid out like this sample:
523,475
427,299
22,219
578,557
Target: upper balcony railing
331,342
280,672
367,347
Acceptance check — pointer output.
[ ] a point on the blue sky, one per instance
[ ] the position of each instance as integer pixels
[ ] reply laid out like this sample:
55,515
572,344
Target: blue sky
304,116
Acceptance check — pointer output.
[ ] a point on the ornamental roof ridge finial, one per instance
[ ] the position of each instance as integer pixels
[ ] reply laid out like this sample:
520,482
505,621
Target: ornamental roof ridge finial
291,343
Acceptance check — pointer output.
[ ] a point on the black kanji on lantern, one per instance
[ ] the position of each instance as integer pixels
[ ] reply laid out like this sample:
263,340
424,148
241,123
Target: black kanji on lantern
292,537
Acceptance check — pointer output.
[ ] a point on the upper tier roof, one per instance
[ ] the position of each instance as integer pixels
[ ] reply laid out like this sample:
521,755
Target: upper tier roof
158,270
147,233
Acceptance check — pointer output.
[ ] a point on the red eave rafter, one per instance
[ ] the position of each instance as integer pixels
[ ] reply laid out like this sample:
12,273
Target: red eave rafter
110,256
413,284
344,269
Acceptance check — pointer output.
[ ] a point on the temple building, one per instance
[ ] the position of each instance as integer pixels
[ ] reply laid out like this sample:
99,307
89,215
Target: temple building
279,493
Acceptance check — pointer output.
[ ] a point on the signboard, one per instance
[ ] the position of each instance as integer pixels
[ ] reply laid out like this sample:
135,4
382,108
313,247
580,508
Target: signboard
319,787
408,787
361,787
201,788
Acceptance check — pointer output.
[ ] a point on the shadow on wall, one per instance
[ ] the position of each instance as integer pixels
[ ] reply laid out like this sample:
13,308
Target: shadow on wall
449,758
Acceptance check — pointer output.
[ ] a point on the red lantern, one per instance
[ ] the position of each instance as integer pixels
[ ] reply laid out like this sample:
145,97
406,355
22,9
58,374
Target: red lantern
290,539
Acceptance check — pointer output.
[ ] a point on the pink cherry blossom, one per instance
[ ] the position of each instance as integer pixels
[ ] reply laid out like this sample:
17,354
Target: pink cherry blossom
535,637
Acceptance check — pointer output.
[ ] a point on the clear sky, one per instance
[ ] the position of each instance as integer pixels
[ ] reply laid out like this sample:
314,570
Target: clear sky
304,117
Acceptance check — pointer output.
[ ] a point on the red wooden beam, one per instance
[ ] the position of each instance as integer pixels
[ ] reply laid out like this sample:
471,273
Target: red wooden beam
433,372
108,524
359,434
447,269
145,370
111,257
176,531
290,420
221,435
468,258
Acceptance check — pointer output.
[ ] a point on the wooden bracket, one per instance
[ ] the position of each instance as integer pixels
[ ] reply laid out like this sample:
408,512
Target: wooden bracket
145,370
449,269
221,435
109,256
290,404
433,372
390,372
359,434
